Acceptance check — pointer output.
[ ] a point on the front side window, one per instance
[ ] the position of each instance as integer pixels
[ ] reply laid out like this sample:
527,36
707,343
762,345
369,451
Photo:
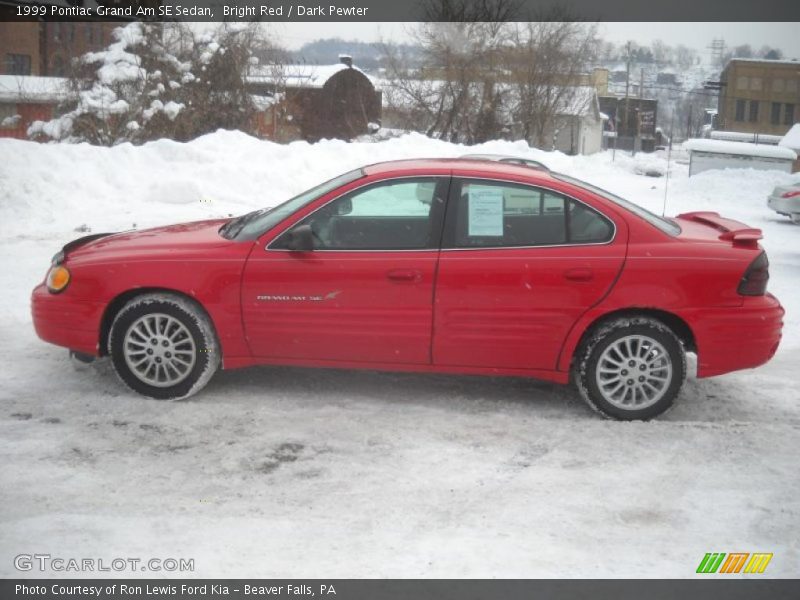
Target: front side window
253,224
494,214
389,215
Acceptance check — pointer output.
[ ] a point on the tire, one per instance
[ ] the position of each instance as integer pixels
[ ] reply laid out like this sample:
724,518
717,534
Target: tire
795,218
171,330
638,386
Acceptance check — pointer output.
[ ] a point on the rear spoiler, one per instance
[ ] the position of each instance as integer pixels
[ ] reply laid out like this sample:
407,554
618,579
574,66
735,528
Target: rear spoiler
730,230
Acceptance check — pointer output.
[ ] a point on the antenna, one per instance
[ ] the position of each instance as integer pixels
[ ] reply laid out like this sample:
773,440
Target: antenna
666,180
669,157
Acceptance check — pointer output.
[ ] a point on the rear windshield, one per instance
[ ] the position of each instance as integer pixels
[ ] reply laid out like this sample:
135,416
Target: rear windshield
665,225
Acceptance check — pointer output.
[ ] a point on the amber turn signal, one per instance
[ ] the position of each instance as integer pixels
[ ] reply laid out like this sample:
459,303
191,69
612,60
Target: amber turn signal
57,279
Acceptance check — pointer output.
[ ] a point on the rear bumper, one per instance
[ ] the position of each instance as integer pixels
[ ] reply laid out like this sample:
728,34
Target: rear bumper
785,206
65,321
737,338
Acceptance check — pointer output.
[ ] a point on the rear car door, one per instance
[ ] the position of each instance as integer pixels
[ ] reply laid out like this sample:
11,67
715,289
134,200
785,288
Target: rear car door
365,293
519,265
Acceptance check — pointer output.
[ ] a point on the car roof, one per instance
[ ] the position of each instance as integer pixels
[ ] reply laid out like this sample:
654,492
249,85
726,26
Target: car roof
459,166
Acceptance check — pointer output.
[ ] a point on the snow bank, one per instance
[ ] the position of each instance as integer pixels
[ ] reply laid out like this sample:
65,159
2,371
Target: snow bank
792,138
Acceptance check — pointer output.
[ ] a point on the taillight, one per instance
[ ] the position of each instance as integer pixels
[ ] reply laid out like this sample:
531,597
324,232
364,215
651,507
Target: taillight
754,281
791,194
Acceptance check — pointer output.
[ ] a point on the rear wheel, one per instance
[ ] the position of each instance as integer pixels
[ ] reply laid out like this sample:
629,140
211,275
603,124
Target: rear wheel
163,346
631,368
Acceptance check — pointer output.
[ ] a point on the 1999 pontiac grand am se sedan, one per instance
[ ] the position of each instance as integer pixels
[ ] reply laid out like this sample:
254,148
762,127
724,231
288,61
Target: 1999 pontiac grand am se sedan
468,265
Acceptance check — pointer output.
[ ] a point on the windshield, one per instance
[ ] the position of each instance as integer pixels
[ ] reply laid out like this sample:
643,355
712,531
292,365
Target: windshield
661,223
253,224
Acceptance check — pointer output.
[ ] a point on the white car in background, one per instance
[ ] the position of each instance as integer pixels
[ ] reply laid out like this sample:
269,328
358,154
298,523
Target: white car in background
785,200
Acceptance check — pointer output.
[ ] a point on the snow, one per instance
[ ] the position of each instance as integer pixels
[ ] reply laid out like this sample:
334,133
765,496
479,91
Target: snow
27,88
792,138
578,101
271,471
792,61
738,136
739,148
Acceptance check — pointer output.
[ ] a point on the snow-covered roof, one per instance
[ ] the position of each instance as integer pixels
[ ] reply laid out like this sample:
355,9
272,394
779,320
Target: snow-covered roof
792,138
740,148
262,103
21,88
579,101
740,136
794,61
298,76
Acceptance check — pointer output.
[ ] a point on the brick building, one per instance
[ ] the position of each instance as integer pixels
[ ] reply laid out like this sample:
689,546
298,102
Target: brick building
759,96
46,48
312,102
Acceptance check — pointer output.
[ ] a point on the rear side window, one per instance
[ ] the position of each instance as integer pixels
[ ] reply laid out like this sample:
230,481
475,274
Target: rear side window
494,214
661,223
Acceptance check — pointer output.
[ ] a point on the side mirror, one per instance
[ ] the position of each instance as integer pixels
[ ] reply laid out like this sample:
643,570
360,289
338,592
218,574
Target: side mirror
301,239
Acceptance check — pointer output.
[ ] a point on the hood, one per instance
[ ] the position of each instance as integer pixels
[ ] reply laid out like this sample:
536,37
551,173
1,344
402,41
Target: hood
171,241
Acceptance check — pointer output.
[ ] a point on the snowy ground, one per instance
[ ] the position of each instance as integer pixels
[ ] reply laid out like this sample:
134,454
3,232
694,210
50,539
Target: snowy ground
288,472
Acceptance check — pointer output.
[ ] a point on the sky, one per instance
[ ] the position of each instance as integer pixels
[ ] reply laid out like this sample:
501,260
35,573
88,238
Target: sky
695,35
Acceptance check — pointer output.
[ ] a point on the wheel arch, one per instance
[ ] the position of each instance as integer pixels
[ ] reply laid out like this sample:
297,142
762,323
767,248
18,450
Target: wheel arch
119,301
676,324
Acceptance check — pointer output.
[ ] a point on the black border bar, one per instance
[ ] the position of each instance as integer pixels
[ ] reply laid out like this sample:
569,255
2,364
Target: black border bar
735,588
782,11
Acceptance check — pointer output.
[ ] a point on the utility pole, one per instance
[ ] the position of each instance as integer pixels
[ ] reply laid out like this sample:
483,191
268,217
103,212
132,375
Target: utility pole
641,83
627,87
637,139
717,48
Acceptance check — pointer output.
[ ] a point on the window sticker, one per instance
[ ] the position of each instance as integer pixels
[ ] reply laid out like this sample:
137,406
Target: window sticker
485,211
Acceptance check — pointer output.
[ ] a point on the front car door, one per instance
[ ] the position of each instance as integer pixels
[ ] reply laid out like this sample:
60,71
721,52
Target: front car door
519,265
365,292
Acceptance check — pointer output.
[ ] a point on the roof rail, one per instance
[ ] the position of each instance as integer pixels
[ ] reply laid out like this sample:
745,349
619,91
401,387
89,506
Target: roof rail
503,158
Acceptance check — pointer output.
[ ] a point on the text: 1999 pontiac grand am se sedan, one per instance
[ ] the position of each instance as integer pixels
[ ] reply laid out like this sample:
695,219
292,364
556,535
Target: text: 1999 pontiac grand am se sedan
444,265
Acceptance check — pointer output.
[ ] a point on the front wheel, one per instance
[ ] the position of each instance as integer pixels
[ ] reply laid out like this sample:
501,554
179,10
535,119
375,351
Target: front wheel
631,368
163,346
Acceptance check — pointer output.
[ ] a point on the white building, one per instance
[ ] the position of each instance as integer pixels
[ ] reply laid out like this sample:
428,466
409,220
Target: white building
705,155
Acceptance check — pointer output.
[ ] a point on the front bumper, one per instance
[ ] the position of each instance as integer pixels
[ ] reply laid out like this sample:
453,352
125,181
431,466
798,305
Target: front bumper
65,321
736,338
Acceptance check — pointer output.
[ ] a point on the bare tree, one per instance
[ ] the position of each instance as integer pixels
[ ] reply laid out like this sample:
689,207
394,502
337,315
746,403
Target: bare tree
546,61
456,95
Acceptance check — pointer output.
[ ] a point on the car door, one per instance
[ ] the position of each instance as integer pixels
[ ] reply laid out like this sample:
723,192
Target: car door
365,292
519,265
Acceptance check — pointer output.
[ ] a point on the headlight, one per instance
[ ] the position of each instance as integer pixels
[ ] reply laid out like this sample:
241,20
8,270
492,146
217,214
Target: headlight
57,279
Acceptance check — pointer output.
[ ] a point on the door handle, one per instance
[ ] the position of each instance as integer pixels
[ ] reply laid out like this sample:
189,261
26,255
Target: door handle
579,274
411,275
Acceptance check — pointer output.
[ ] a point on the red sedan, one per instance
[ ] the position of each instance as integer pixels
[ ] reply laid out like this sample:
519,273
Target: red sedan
451,265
